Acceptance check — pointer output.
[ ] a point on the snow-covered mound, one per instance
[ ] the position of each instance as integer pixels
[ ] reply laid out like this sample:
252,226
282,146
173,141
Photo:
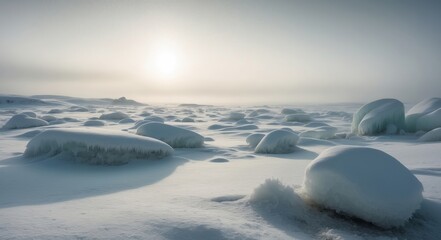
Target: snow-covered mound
126,120
236,116
94,123
287,111
431,136
125,101
298,117
174,136
30,114
254,139
325,132
187,119
378,117
154,119
55,111
10,100
365,183
426,115
114,116
277,141
48,118
96,146
23,121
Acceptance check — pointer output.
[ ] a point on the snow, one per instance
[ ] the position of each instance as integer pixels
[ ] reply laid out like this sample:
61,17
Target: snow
18,100
277,141
298,117
254,139
94,123
325,132
378,116
174,136
114,116
424,116
195,193
364,182
187,119
23,121
96,146
431,136
236,116
126,120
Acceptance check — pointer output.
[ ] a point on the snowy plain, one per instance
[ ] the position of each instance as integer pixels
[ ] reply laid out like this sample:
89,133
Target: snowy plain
221,190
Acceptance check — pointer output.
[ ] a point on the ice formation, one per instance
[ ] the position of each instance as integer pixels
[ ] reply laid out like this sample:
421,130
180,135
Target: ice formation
96,146
114,116
175,136
365,183
431,136
277,141
254,139
23,121
426,115
378,116
94,123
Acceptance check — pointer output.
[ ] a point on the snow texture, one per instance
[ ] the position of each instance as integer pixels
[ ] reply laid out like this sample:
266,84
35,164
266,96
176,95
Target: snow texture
94,146
114,116
431,136
20,121
277,141
378,116
364,183
426,115
174,136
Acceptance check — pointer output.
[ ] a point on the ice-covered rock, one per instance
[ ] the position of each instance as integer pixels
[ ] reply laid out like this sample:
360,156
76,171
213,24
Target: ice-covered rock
94,123
96,146
298,117
365,183
433,135
254,139
174,136
377,116
426,115
23,121
325,132
277,141
114,116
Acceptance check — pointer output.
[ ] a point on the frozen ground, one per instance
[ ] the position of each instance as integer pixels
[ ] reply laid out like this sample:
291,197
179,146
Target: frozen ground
219,191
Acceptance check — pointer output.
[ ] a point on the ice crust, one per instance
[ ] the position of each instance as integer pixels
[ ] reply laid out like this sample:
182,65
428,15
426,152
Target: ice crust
96,146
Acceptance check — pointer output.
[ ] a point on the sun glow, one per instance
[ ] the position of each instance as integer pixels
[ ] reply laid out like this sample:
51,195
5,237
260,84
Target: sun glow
166,62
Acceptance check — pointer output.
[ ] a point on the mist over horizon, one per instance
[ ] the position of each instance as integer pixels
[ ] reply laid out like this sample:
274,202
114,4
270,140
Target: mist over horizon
232,52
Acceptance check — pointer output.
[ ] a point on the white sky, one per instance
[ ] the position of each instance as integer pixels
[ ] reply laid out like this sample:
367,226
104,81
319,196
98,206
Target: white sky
222,51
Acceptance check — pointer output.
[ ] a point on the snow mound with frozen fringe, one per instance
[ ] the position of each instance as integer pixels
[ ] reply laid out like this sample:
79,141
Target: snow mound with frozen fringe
365,183
378,117
174,136
277,141
96,146
298,117
431,136
325,132
114,116
20,121
254,139
426,115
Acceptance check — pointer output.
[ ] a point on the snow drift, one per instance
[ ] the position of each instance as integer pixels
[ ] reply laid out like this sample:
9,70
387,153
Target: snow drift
378,117
96,146
365,183
325,132
114,116
277,141
298,117
175,136
426,115
20,121
431,136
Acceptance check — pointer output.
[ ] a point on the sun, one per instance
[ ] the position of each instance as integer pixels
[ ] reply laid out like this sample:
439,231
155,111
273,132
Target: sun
166,62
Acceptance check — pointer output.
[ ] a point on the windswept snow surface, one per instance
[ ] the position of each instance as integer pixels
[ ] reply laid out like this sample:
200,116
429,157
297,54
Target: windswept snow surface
365,183
20,121
378,116
219,191
96,146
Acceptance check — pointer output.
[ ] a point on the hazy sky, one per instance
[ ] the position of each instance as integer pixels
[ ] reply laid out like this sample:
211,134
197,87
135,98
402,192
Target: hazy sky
222,51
